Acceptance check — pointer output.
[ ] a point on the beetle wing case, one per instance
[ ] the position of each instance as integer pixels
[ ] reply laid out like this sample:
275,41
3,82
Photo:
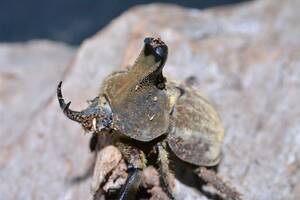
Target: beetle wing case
198,133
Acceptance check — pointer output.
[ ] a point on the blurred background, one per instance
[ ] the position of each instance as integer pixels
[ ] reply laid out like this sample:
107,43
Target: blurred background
71,21
244,55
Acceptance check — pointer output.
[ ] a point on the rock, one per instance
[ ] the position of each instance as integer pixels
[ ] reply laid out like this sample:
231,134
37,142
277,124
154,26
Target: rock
246,60
28,161
107,160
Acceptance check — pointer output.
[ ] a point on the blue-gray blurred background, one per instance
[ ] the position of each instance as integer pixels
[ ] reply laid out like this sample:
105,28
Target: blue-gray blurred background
70,21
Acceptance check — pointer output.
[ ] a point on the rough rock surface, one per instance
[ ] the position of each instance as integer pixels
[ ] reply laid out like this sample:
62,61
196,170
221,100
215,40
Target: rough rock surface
246,59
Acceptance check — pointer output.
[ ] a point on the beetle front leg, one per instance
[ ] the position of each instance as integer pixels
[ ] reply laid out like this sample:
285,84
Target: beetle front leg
136,163
164,170
218,183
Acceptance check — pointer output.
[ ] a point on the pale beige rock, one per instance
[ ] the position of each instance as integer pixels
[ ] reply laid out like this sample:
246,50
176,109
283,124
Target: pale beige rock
150,180
107,161
28,76
117,178
246,58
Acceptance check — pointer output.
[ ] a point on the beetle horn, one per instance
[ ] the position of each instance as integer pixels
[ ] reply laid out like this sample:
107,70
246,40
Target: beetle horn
73,115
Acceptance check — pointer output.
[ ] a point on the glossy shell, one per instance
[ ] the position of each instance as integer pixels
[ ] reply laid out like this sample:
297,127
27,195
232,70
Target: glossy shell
198,133
139,113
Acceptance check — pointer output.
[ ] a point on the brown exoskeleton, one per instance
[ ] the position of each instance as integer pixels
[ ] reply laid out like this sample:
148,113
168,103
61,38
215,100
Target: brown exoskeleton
144,112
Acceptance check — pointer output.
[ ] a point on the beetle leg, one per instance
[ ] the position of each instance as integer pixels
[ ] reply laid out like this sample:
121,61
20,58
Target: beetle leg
218,183
131,186
164,170
136,163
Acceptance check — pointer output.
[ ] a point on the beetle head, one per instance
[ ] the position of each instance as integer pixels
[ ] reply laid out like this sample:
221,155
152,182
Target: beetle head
96,117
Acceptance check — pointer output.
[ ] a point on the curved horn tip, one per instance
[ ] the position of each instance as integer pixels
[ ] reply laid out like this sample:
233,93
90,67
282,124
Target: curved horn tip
58,90
60,98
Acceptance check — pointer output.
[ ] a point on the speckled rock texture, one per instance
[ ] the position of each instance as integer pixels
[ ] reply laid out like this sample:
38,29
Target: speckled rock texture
247,62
